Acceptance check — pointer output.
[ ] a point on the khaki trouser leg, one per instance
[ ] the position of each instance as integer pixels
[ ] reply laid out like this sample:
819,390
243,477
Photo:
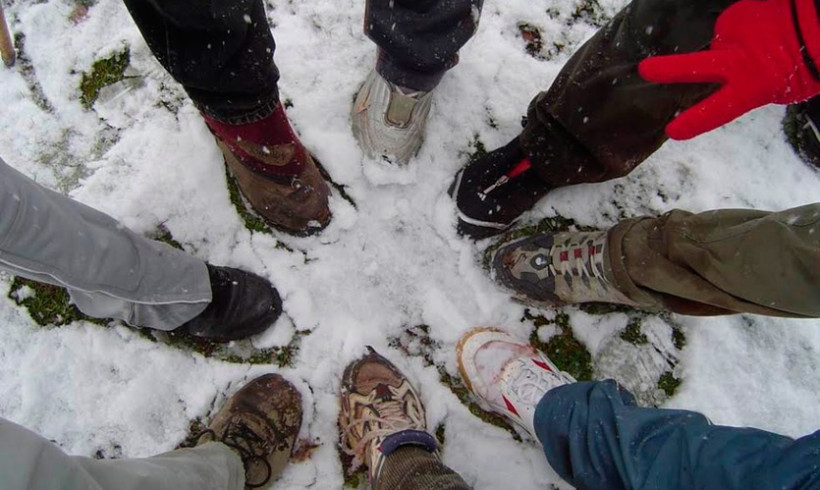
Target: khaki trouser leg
30,462
721,262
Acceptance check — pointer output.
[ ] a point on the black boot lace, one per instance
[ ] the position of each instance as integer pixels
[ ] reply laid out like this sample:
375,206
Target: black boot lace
246,442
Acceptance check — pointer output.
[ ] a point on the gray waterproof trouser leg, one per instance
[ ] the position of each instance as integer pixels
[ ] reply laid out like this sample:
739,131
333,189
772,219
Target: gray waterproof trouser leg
109,271
30,462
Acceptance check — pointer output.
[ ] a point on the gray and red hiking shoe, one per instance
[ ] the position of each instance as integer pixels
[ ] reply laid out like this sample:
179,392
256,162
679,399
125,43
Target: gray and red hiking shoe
508,376
493,191
380,412
557,269
260,422
274,172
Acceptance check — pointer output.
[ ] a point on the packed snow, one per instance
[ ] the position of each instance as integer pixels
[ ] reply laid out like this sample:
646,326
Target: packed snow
391,262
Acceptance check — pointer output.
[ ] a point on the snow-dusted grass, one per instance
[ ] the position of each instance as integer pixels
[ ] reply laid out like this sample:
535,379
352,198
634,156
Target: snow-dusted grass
143,155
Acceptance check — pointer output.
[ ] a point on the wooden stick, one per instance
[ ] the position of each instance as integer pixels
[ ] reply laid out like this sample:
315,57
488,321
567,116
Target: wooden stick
6,47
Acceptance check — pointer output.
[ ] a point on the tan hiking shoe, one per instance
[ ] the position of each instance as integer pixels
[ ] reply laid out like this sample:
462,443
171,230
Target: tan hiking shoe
274,172
260,422
389,121
380,412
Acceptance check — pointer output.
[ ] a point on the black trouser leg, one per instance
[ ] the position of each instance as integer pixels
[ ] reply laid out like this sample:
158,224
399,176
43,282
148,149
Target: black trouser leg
419,40
220,51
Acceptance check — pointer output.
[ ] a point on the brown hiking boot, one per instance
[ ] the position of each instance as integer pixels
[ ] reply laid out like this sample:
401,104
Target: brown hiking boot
260,422
275,173
380,413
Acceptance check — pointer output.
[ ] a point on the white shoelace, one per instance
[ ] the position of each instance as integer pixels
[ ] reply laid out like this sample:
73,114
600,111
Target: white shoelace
393,419
531,382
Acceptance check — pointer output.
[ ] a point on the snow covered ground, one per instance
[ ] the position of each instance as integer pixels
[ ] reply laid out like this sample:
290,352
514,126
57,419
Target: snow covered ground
391,262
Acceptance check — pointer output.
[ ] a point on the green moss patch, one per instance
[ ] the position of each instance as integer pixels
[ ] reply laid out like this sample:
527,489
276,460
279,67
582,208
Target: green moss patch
103,73
563,349
669,383
632,333
48,305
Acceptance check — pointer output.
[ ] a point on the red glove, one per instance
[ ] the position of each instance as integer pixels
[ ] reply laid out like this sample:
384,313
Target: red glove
763,51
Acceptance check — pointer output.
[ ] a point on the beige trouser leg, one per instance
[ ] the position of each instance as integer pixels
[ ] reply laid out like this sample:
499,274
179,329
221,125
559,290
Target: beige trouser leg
721,262
30,462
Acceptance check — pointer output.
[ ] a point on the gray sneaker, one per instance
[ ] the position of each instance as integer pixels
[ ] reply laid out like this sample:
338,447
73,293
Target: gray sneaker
560,268
388,120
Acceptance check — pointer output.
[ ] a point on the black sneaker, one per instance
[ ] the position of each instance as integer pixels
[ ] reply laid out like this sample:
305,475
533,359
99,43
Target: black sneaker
802,128
242,304
492,192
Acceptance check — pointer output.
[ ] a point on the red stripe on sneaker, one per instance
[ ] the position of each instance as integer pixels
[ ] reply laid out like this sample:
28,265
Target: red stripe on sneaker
563,256
578,253
542,365
510,406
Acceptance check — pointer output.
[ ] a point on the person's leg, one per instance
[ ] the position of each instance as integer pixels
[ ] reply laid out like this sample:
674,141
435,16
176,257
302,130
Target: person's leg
595,437
418,41
30,462
599,119
222,53
415,468
723,261
251,441
112,272
711,263
383,427
109,271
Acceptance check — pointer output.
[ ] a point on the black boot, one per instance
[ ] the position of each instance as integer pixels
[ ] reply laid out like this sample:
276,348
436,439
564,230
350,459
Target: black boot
242,304
802,128
493,191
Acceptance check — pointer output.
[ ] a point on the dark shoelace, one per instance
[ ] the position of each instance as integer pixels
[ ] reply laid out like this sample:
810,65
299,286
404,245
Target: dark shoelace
242,439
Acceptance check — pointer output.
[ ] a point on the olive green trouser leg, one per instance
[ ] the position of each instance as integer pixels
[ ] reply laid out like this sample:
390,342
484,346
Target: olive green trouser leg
721,262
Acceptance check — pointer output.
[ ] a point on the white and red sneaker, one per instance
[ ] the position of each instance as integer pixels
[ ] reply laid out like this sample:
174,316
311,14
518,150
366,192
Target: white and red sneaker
507,375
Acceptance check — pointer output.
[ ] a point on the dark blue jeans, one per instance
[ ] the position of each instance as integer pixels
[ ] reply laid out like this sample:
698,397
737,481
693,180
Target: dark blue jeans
595,437
222,51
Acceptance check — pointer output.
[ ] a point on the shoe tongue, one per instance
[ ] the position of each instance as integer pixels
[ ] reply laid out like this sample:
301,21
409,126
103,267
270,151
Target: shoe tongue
400,110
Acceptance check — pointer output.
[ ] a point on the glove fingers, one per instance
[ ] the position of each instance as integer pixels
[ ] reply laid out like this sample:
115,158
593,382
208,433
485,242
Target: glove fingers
716,110
702,66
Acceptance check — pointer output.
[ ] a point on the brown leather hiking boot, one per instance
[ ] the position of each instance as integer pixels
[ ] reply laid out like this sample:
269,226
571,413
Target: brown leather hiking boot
260,422
380,413
274,172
